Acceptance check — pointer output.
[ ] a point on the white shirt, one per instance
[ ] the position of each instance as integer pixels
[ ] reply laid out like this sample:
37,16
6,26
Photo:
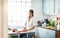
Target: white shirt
30,23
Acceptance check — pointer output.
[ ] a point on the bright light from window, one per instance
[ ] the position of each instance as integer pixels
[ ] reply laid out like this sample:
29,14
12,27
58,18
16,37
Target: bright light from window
17,12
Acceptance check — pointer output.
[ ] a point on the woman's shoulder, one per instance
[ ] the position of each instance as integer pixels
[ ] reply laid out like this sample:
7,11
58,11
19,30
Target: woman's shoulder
33,18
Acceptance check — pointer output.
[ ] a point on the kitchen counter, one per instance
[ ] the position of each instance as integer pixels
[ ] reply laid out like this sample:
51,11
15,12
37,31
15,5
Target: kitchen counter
43,32
54,29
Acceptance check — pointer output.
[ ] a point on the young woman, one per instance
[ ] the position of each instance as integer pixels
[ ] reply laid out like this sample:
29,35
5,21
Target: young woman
29,25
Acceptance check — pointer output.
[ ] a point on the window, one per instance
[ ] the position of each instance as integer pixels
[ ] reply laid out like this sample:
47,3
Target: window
17,12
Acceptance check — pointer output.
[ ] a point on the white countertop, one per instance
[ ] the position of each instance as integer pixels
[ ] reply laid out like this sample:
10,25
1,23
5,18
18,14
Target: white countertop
10,32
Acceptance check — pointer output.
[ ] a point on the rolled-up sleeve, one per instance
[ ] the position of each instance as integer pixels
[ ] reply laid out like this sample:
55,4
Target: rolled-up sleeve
34,22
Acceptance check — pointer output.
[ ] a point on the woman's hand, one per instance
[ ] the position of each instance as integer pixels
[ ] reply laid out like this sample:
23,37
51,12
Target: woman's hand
24,30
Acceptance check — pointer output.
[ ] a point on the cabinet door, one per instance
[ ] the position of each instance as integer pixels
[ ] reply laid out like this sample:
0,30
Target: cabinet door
39,32
48,7
42,33
57,34
51,33
57,7
45,33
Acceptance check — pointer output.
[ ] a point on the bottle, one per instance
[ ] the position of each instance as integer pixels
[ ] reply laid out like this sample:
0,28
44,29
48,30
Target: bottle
58,23
58,26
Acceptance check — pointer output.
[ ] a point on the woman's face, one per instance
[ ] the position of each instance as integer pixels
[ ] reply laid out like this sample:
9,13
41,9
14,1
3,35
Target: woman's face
30,14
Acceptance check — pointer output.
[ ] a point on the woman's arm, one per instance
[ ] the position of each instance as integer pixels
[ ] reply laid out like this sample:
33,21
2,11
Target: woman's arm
25,26
31,28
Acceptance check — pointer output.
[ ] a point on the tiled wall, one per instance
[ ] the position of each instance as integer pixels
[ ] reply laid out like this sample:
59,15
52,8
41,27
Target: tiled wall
53,17
37,7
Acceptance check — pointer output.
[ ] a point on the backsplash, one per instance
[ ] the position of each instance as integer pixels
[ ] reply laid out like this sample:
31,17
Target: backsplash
53,17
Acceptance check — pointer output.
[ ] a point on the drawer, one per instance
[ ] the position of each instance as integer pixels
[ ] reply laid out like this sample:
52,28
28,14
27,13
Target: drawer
58,33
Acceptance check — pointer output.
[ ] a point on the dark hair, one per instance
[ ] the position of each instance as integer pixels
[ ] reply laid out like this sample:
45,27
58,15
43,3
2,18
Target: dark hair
31,11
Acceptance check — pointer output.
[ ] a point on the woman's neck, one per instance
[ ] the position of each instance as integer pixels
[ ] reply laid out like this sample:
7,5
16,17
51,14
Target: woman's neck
30,18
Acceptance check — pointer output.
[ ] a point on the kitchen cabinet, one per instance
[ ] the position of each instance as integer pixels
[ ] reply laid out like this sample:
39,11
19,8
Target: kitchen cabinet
51,7
57,7
51,34
45,33
48,7
57,34
41,32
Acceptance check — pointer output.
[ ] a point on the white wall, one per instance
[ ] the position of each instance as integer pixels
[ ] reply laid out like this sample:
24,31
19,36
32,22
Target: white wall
37,7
